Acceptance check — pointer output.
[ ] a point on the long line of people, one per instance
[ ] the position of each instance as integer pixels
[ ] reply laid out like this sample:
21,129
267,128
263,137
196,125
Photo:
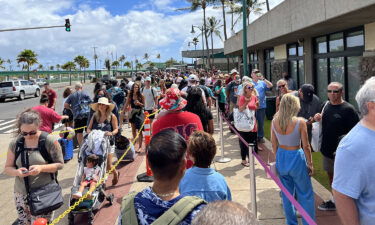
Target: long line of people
182,137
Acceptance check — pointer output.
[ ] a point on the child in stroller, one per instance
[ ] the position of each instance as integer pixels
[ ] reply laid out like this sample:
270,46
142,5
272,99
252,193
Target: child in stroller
90,176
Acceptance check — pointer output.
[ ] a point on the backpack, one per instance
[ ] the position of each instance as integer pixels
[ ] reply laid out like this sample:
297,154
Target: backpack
20,147
83,106
118,98
172,216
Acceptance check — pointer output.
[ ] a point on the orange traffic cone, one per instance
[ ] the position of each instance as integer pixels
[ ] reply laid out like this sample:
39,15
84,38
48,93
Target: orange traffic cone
40,221
148,176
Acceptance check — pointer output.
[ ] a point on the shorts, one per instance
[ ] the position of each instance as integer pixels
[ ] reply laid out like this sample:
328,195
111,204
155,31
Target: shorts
328,164
150,112
78,123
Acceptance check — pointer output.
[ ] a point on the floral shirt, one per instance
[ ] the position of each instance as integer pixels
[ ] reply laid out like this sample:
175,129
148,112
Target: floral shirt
149,207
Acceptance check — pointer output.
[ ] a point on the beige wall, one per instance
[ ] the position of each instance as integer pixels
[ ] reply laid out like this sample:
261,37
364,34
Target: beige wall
370,37
280,52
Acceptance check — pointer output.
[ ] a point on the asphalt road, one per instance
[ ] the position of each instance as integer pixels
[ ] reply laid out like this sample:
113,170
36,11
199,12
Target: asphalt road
12,107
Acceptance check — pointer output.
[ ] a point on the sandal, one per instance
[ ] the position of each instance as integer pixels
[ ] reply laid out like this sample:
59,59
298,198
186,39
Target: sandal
115,178
245,164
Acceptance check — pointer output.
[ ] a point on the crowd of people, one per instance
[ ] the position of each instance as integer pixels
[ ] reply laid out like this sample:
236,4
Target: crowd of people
182,147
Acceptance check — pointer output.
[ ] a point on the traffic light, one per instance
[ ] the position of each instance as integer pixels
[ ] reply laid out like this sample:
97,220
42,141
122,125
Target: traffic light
67,25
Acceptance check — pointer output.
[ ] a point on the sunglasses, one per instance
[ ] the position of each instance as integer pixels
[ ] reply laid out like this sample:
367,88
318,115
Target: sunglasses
333,91
249,87
31,133
281,86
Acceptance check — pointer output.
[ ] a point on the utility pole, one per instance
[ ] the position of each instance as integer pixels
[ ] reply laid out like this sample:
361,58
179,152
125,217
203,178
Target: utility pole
244,38
95,56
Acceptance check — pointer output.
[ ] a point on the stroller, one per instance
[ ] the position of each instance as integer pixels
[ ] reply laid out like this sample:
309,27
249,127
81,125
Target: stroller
94,143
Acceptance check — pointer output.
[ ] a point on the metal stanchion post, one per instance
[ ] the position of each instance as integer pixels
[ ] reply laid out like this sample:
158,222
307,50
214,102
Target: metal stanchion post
218,115
222,159
252,181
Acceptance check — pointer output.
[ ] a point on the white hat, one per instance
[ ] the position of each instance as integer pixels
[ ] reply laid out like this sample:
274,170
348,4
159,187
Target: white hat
102,101
246,78
233,71
193,77
148,79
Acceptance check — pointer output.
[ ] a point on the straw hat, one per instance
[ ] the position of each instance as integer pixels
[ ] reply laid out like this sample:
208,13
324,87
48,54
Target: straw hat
103,101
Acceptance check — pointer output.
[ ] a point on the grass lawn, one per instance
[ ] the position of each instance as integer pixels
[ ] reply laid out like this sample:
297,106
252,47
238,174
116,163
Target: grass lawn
319,174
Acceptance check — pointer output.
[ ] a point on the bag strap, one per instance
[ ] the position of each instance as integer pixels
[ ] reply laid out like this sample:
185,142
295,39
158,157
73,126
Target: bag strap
25,163
179,211
128,214
19,148
324,107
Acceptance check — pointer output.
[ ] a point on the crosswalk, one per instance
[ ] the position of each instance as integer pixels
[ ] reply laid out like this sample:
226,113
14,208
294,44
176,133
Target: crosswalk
8,126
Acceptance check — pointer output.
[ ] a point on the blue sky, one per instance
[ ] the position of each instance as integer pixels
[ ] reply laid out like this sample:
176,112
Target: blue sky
116,27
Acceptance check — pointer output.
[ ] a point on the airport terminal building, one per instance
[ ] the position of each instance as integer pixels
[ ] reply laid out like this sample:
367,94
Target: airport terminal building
315,41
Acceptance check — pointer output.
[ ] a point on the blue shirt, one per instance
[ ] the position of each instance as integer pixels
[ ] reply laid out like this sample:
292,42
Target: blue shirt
150,207
355,170
75,99
261,87
205,183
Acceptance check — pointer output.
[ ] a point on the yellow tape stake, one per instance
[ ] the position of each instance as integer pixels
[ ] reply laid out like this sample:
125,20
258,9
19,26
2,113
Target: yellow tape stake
61,216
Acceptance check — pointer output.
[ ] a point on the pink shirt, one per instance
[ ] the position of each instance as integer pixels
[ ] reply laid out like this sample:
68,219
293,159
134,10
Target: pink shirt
48,117
252,105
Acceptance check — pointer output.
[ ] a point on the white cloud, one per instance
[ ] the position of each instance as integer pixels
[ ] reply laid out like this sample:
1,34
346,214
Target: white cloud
134,33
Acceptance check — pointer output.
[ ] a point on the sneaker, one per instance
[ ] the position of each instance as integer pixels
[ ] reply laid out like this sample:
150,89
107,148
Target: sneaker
327,206
77,195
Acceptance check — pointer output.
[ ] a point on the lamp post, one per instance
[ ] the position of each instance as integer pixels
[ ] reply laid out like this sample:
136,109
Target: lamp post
202,32
244,38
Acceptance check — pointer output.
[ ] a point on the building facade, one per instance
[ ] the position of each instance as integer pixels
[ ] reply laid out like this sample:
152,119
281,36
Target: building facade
314,41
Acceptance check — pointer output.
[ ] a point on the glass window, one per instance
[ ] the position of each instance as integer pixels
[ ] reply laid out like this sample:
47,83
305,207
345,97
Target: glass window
355,39
336,42
268,71
337,70
16,83
353,78
321,45
293,70
272,54
322,78
292,50
251,57
255,57
301,73
300,50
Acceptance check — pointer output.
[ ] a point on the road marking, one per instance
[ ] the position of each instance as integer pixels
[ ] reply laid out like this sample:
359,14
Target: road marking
10,121
6,127
10,131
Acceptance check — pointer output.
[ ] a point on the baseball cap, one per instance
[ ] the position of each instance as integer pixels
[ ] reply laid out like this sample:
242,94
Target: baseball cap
233,71
148,79
308,92
255,71
193,77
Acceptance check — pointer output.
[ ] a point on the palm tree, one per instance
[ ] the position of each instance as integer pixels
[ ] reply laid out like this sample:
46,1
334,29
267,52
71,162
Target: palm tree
10,64
268,5
158,56
82,62
128,64
196,4
213,29
29,57
253,6
1,63
116,64
57,67
51,67
122,59
139,66
170,62
69,66
40,67
223,4
146,57
107,64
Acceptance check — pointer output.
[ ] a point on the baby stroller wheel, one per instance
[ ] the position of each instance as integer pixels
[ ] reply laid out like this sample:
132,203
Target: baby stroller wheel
71,219
110,199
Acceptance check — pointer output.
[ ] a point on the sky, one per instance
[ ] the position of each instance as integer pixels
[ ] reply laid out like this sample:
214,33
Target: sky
115,27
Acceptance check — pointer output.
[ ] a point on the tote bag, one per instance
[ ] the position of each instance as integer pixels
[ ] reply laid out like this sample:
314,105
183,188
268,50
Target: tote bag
244,121
316,133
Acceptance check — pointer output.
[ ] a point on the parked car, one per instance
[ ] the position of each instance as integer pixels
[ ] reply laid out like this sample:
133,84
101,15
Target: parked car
18,89
39,81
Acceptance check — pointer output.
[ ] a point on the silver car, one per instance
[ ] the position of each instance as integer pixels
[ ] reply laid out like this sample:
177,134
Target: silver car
18,89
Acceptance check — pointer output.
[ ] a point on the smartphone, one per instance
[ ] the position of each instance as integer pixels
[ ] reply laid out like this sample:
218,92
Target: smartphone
25,171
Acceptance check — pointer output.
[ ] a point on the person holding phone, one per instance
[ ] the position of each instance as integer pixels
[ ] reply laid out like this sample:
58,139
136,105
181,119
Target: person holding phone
293,163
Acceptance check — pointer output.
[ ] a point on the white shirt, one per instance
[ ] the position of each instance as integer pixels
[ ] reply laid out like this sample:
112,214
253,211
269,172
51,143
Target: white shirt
150,94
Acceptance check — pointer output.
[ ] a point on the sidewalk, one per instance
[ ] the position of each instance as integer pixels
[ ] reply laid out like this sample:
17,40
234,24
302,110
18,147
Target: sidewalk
270,210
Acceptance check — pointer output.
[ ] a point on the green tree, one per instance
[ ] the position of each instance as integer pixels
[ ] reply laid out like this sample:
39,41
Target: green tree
223,4
128,64
213,29
158,56
146,57
10,64
116,64
28,57
40,67
82,62
253,6
122,59
69,66
57,67
195,5
139,66
107,64
170,62
51,67
1,63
